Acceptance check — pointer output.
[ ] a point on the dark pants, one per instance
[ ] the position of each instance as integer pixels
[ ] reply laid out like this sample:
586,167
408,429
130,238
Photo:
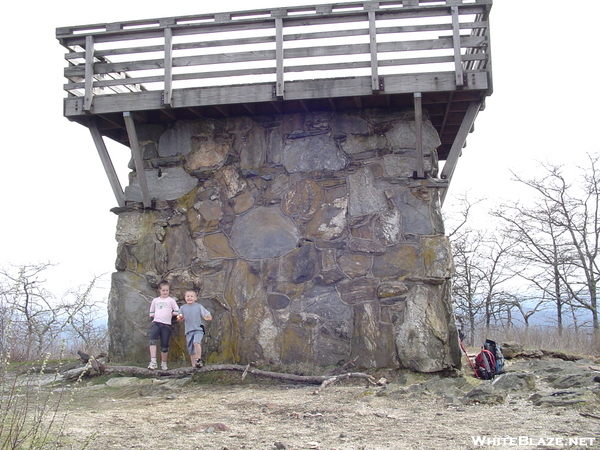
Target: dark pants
164,331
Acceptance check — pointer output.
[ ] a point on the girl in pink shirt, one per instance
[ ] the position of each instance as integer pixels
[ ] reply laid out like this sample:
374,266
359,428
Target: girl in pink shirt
162,309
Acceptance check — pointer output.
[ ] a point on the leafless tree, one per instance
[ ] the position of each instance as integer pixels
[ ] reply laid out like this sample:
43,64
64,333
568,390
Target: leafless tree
542,248
34,322
560,233
483,269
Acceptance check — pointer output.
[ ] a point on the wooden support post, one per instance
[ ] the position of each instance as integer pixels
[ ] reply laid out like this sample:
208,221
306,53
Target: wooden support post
89,74
373,47
420,172
458,68
109,168
168,92
458,144
137,158
279,87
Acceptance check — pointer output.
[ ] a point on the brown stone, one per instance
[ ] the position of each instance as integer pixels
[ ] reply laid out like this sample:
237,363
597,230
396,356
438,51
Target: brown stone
399,261
329,222
218,246
302,199
359,290
355,265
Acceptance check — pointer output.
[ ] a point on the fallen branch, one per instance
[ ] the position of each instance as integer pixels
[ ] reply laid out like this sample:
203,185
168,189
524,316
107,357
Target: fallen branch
323,380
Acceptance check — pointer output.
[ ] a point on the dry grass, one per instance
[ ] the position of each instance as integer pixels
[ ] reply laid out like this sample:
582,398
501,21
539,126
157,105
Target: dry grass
580,343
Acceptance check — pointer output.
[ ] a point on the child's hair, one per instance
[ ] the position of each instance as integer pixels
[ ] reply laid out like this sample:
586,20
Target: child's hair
191,290
164,283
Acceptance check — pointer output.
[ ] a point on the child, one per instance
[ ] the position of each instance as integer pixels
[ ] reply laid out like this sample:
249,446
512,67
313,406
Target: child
162,309
193,315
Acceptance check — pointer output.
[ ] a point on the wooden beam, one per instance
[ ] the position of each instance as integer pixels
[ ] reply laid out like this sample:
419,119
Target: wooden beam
277,107
420,172
458,68
223,109
109,168
168,88
89,74
373,48
458,144
137,158
280,92
304,107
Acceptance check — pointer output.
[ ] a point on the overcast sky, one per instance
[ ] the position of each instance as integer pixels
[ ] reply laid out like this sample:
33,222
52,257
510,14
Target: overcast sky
57,198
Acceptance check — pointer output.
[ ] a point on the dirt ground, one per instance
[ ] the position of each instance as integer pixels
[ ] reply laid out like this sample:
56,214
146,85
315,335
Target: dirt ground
347,415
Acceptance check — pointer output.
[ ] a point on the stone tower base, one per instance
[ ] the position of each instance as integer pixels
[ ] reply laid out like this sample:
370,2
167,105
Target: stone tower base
306,236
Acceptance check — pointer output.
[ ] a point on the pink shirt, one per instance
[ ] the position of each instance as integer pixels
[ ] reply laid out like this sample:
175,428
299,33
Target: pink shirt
162,309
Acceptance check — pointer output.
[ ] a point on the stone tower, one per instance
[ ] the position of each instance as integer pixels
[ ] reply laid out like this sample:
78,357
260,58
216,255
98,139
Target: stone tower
285,165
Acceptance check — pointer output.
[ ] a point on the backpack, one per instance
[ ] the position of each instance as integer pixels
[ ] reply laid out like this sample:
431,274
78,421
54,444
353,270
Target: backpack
496,350
485,365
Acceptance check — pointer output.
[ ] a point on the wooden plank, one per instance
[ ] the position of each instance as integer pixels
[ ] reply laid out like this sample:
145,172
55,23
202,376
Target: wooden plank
137,158
109,168
263,92
131,83
89,73
458,68
144,29
168,81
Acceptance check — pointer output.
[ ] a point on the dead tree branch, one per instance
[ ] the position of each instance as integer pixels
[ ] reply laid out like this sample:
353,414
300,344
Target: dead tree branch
323,380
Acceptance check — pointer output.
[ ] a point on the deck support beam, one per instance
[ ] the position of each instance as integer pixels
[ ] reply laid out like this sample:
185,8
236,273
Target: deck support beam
137,158
109,168
459,142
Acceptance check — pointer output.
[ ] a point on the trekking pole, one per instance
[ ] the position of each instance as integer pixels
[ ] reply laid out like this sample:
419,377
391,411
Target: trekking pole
464,349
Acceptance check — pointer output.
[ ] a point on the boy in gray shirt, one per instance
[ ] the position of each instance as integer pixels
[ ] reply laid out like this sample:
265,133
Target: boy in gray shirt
194,316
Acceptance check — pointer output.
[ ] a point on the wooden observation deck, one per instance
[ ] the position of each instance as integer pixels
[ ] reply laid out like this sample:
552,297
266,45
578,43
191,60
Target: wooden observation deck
423,54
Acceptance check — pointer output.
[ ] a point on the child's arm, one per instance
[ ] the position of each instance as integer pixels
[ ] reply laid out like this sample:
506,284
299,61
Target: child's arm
175,306
208,317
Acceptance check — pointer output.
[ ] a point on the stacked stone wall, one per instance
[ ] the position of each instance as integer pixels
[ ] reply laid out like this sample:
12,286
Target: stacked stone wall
306,235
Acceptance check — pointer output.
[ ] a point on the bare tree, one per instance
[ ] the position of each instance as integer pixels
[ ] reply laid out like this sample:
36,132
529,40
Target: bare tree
542,248
484,267
466,286
34,321
568,215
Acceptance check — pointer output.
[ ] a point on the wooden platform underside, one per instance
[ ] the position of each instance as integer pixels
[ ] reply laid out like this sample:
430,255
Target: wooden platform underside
443,103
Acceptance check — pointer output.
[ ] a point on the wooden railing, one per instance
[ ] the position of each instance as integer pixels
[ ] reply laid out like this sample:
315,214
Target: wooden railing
387,42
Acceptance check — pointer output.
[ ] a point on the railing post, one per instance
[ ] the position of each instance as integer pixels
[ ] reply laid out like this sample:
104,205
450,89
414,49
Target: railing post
89,74
168,91
279,87
458,68
373,46
420,172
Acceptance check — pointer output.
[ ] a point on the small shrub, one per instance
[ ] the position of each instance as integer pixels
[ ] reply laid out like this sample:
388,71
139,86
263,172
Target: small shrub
31,415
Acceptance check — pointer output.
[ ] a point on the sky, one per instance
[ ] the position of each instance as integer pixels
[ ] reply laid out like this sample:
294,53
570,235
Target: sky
56,196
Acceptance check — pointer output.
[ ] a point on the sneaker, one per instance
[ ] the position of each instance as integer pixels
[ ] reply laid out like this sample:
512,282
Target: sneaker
199,363
152,365
163,366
